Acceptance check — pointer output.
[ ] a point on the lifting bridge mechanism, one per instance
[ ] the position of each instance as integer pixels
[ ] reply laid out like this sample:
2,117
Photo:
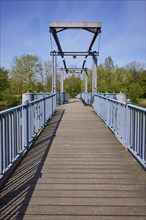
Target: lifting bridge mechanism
95,29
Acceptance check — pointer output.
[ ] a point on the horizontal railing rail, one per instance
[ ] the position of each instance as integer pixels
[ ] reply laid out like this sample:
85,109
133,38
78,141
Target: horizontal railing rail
20,125
127,121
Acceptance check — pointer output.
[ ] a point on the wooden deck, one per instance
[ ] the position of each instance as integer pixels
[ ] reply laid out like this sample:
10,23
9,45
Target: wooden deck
76,170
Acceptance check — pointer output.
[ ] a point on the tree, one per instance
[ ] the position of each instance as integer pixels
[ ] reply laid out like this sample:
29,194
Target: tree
135,68
120,80
143,83
72,85
137,84
47,70
103,80
6,94
25,73
135,91
48,84
3,78
109,64
90,81
4,81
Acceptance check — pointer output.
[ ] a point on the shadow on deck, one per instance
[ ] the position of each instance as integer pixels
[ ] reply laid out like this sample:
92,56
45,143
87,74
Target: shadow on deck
18,190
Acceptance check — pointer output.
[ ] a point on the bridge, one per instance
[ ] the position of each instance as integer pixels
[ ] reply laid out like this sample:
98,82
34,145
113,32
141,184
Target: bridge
84,159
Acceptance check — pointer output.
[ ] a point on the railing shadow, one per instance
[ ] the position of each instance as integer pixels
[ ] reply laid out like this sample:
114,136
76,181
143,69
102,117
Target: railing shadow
16,194
71,101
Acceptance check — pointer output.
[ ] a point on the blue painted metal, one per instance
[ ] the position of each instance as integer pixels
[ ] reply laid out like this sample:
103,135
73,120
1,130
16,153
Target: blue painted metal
127,121
20,125
62,97
87,97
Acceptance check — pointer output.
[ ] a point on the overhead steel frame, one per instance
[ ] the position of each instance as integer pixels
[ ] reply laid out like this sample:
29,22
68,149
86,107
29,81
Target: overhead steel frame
86,80
62,82
54,73
93,27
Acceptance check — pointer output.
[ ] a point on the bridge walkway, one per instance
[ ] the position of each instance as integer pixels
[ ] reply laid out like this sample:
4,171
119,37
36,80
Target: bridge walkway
76,170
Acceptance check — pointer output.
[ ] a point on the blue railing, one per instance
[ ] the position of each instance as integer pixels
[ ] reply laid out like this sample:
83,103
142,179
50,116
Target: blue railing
127,121
62,97
20,125
87,98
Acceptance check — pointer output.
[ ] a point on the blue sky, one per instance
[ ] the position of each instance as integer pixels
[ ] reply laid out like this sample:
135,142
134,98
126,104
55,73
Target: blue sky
25,30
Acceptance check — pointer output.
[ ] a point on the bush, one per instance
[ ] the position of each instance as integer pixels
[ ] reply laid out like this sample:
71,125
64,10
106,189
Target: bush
10,99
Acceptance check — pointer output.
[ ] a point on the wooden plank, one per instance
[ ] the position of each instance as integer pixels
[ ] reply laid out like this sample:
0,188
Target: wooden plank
82,201
57,217
132,181
75,194
84,210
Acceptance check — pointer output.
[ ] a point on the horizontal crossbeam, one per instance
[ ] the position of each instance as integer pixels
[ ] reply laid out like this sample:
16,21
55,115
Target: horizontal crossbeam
89,26
73,69
75,53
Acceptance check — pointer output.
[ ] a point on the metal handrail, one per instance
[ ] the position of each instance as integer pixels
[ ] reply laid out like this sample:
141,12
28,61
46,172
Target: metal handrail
127,121
20,125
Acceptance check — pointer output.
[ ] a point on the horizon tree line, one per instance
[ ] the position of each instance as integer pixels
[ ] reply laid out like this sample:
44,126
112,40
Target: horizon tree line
30,74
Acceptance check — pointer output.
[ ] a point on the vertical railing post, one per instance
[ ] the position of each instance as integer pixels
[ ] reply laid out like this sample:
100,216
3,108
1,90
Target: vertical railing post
1,145
44,100
94,74
52,105
25,126
86,81
144,138
62,88
86,86
128,127
54,63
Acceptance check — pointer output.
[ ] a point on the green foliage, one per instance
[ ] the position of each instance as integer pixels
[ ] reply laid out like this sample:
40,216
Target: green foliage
28,73
142,82
120,80
25,73
103,80
72,85
130,80
48,84
10,99
135,91
141,102
137,84
39,87
90,81
4,81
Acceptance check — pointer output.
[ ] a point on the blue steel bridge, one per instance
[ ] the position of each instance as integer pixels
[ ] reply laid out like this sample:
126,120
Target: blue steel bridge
73,159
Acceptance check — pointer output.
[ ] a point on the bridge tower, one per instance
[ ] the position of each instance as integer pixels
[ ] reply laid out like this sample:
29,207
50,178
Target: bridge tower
95,29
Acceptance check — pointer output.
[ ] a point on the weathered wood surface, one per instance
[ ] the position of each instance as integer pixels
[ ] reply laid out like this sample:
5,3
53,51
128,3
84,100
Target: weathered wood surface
84,174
